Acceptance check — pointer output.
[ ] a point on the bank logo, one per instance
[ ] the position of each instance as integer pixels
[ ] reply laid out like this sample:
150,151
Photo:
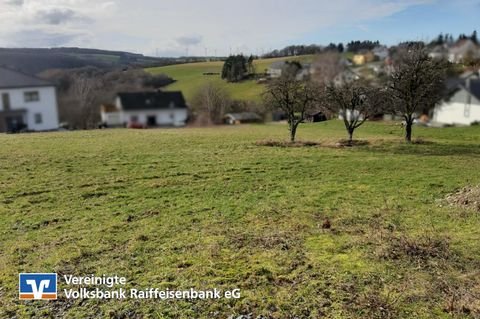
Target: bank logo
37,286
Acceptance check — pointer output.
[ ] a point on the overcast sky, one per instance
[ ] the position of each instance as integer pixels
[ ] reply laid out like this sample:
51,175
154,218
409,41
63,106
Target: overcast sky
170,28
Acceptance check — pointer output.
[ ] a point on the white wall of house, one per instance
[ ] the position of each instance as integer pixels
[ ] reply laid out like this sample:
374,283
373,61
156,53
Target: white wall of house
457,113
41,114
175,117
112,118
462,109
274,73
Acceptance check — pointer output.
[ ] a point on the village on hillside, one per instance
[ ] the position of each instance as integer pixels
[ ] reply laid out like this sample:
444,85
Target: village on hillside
92,98
306,159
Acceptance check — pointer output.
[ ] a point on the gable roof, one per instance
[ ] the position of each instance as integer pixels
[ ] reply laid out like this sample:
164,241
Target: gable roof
463,46
138,101
10,79
474,88
470,84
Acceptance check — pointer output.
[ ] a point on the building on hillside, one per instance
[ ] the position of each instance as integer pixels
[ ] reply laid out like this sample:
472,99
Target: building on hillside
27,103
146,109
363,57
316,117
462,50
462,107
242,118
358,59
346,76
381,52
438,52
275,69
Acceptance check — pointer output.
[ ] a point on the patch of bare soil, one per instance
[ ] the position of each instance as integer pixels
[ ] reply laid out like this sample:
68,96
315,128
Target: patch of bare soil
467,197
273,143
347,143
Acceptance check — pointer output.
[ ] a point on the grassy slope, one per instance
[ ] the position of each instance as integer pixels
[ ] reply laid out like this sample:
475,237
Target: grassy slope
190,78
208,208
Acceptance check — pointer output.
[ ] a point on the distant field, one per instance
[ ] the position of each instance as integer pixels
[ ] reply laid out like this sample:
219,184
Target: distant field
190,77
205,208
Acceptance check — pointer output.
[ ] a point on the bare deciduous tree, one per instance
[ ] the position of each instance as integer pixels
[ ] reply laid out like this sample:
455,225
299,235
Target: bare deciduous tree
326,67
416,84
85,91
210,103
354,102
293,97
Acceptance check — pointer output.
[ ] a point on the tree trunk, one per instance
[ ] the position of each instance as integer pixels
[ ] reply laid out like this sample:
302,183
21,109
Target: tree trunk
350,136
293,132
408,129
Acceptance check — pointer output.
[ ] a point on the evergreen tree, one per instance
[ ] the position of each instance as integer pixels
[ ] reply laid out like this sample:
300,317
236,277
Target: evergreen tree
235,68
474,37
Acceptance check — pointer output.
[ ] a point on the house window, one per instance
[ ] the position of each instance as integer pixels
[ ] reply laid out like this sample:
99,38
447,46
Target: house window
172,116
38,118
6,101
32,96
134,119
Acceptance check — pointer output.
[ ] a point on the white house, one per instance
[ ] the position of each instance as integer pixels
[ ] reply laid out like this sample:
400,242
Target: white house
146,109
381,52
463,49
26,103
275,69
463,105
346,76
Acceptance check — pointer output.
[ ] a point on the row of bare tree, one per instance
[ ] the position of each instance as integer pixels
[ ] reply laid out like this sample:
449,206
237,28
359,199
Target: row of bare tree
414,86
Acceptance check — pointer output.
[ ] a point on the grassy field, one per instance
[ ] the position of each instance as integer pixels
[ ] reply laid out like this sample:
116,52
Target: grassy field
208,208
190,78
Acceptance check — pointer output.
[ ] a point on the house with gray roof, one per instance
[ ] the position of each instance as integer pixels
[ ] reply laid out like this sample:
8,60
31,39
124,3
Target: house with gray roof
462,50
462,105
146,109
27,103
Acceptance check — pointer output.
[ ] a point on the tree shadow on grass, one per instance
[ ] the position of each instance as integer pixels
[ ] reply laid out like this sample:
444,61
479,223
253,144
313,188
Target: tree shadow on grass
425,148
274,143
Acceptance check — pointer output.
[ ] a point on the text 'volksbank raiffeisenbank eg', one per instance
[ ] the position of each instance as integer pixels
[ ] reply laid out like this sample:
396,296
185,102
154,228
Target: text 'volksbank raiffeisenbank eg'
109,287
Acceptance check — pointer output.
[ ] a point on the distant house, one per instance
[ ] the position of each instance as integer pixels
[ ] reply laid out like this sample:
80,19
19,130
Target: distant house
346,76
359,59
463,49
146,109
275,69
316,117
27,103
242,118
462,107
363,57
381,52
439,52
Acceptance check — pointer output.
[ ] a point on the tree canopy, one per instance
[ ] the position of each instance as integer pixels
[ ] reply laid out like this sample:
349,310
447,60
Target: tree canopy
236,68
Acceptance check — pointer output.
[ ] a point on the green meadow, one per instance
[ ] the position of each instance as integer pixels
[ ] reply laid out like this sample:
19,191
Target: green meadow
190,78
305,232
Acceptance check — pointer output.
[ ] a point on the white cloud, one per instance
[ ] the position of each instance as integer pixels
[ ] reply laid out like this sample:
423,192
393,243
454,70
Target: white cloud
150,25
